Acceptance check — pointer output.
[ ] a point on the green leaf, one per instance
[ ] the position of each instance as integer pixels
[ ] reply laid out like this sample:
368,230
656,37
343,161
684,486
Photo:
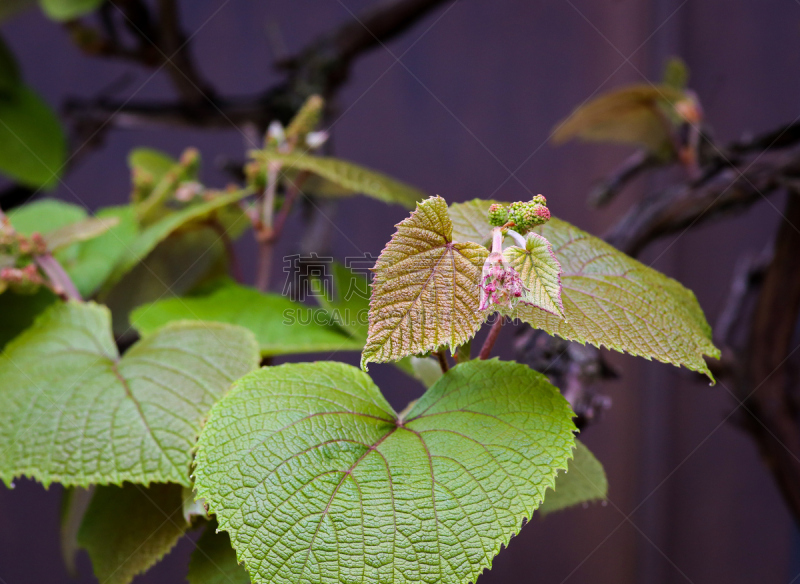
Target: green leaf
324,482
612,300
68,9
348,175
539,271
127,529
32,143
348,305
91,262
45,215
583,481
77,232
214,561
9,70
280,325
154,162
74,503
73,411
631,115
425,292
20,310
152,235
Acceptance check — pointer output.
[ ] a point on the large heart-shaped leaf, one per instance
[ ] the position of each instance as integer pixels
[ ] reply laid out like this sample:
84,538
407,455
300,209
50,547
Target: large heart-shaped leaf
214,561
583,481
425,291
73,411
280,325
20,310
315,477
347,175
539,271
610,299
127,529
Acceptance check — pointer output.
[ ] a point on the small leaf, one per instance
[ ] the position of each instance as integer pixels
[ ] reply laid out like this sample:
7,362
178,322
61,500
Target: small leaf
154,162
214,562
45,215
540,273
324,482
281,326
68,9
73,411
80,231
676,74
127,529
425,293
612,300
348,175
583,481
32,143
631,115
153,234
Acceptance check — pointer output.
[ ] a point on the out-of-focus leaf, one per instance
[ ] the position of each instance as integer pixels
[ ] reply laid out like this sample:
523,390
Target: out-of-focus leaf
631,115
45,215
20,310
348,303
127,529
74,503
77,232
348,176
425,291
68,9
154,162
280,325
676,74
583,481
9,71
32,143
610,299
152,235
73,411
308,463
213,561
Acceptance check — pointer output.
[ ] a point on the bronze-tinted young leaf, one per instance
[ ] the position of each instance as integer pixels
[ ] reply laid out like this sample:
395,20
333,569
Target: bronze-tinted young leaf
73,411
425,292
631,115
539,271
127,529
348,176
584,481
612,300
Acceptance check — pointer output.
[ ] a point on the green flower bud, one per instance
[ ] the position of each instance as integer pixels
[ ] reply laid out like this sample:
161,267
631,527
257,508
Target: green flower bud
498,215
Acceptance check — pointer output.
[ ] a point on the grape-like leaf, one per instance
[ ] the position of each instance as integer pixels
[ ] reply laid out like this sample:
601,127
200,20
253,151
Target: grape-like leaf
610,299
68,9
45,215
20,310
280,325
153,234
154,162
127,529
348,176
584,481
73,411
32,143
316,478
633,115
539,271
425,292
214,561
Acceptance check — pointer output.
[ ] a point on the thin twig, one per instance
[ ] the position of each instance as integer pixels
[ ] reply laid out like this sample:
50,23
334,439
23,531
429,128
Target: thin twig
491,338
442,360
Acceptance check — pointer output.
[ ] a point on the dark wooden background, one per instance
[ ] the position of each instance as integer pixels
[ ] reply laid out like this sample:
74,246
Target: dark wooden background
466,113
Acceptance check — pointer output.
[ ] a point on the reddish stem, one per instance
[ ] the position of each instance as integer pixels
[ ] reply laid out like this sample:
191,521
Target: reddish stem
488,344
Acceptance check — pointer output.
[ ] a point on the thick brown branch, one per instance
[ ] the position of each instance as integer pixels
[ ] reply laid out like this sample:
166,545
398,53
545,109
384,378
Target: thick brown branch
768,382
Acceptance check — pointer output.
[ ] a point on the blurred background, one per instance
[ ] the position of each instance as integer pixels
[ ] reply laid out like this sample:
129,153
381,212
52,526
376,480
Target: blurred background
462,104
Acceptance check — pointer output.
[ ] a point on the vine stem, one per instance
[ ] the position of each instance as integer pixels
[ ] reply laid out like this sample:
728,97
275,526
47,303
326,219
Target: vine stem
488,344
62,283
442,361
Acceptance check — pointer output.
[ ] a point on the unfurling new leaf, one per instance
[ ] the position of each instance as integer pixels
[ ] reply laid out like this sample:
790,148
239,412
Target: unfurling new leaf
316,478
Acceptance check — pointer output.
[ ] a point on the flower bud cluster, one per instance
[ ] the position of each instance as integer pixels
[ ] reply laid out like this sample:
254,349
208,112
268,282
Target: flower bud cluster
500,283
520,215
